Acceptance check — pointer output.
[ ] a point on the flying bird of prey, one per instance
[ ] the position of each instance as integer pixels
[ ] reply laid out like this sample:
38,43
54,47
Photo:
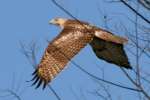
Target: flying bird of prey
74,36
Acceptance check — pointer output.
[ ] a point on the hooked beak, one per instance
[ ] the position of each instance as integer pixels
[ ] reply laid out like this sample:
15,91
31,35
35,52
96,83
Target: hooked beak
52,22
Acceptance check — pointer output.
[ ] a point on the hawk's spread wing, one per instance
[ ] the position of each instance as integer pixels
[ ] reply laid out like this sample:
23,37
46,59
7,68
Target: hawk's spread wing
110,52
58,53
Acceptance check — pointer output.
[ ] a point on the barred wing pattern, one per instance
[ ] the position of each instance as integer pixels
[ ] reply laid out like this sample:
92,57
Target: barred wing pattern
58,53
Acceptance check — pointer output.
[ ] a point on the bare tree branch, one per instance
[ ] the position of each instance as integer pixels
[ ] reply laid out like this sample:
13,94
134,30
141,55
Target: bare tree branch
137,85
141,16
145,3
13,92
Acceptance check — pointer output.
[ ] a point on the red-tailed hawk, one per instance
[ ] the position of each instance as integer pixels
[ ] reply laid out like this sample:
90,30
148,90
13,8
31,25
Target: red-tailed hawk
74,36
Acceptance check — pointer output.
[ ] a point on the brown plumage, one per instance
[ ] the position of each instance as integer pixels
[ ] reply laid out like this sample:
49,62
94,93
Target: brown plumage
75,36
110,52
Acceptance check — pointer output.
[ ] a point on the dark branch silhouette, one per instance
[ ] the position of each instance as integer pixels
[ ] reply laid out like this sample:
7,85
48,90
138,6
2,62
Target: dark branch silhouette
145,3
136,12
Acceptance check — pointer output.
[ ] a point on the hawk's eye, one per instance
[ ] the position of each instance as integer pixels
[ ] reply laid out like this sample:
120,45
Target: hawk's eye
56,19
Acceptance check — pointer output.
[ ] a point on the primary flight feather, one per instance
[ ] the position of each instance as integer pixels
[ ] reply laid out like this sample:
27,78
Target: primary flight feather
74,36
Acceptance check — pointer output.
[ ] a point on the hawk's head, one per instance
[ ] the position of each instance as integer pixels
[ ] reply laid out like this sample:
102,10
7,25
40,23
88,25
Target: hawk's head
58,21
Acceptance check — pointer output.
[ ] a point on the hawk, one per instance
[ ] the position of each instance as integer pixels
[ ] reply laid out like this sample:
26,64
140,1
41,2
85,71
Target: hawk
74,36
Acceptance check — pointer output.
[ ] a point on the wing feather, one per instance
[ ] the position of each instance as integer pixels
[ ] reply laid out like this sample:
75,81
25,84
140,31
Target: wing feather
59,52
108,36
110,52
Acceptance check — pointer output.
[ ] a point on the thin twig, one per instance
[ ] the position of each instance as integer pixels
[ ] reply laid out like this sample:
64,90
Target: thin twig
141,16
137,85
54,92
11,93
138,78
145,3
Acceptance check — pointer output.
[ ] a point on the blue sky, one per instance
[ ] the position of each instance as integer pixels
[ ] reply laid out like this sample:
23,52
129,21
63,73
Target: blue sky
27,20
